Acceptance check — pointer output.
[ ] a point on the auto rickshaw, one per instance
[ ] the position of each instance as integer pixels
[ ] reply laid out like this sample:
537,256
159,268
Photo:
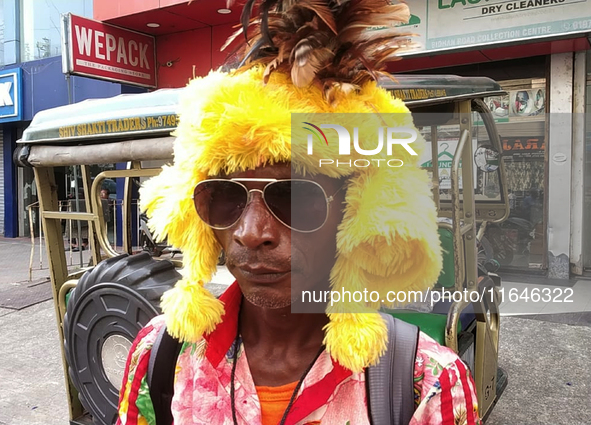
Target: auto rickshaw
100,308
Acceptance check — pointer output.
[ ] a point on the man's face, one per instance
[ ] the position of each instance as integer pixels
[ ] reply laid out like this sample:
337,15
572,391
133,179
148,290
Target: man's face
266,257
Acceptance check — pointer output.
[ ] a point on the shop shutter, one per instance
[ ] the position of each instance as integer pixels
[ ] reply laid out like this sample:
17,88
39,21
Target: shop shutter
522,129
1,185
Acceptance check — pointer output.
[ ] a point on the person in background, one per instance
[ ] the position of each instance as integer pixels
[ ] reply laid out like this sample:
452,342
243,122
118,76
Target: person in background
105,204
511,197
532,206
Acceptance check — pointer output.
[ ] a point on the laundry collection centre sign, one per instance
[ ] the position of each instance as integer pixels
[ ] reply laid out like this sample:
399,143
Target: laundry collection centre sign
103,51
453,24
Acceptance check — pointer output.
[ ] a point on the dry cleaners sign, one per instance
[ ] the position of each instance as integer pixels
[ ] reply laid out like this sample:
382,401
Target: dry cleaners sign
11,104
454,24
103,51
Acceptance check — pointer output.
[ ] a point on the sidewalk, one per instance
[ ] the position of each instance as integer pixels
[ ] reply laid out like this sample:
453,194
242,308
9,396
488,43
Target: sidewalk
545,347
31,372
15,257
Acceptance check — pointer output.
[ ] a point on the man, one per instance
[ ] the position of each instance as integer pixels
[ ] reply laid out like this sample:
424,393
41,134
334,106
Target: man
285,353
241,182
105,204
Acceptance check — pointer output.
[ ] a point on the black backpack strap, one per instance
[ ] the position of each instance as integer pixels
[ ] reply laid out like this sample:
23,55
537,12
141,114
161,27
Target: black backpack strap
161,366
390,383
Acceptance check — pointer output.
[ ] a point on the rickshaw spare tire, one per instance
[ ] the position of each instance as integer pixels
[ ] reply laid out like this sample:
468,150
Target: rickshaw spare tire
105,312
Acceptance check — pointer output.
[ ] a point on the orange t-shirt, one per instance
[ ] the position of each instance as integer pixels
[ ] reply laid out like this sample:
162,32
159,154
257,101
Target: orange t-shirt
274,401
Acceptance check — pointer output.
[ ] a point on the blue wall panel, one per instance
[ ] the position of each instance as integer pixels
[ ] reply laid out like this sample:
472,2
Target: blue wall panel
43,87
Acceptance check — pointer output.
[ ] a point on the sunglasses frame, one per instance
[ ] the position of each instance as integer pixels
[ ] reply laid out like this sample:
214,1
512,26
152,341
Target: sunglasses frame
238,181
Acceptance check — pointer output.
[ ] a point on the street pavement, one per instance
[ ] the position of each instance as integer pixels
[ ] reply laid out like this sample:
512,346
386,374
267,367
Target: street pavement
31,373
545,350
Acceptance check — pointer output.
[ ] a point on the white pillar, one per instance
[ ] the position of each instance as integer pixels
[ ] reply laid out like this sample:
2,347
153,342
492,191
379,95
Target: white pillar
578,164
560,162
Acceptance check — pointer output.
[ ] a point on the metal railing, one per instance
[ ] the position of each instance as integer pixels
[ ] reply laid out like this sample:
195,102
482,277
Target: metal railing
77,241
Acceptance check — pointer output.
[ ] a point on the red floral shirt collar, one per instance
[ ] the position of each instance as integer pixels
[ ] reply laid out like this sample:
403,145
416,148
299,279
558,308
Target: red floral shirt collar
221,339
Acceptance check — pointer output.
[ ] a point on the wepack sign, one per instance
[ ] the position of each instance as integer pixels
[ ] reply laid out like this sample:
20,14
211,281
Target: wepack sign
94,49
10,95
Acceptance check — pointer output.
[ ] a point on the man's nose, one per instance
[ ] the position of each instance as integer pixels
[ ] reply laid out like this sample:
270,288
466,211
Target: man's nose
257,228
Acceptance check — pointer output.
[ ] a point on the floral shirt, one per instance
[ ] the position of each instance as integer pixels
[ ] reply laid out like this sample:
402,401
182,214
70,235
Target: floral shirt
329,395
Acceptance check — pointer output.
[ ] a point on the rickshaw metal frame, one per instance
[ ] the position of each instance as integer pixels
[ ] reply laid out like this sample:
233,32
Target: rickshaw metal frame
100,224
464,218
62,280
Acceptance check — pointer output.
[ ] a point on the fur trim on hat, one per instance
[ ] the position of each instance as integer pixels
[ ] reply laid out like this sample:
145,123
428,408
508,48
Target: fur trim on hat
387,240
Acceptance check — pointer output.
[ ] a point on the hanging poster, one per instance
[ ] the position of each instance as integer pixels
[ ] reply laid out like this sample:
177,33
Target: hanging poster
499,107
516,104
524,103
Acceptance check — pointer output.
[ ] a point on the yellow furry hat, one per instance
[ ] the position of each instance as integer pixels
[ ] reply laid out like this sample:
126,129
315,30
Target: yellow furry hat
387,240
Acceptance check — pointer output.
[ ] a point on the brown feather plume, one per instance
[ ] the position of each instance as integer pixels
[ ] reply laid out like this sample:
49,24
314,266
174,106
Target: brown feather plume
338,44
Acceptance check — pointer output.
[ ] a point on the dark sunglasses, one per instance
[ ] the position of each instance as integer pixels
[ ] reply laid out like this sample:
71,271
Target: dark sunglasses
301,205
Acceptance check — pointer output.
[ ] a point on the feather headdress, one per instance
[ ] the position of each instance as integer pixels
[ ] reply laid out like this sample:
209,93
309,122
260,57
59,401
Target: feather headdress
306,56
339,44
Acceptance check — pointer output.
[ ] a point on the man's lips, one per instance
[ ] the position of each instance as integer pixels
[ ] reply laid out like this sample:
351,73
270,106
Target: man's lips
262,274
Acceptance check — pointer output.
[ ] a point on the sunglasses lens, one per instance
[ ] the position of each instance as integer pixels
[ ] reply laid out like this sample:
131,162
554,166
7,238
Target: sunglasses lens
220,203
299,204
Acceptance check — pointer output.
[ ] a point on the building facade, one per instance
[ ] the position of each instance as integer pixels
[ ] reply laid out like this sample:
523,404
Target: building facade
537,49
31,80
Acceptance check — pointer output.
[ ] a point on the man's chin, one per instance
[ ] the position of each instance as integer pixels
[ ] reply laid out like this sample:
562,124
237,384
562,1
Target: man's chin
294,303
270,297
270,301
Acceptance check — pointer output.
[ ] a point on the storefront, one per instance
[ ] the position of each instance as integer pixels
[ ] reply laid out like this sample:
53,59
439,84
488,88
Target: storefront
41,85
536,49
11,109
541,123
538,52
31,80
521,119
